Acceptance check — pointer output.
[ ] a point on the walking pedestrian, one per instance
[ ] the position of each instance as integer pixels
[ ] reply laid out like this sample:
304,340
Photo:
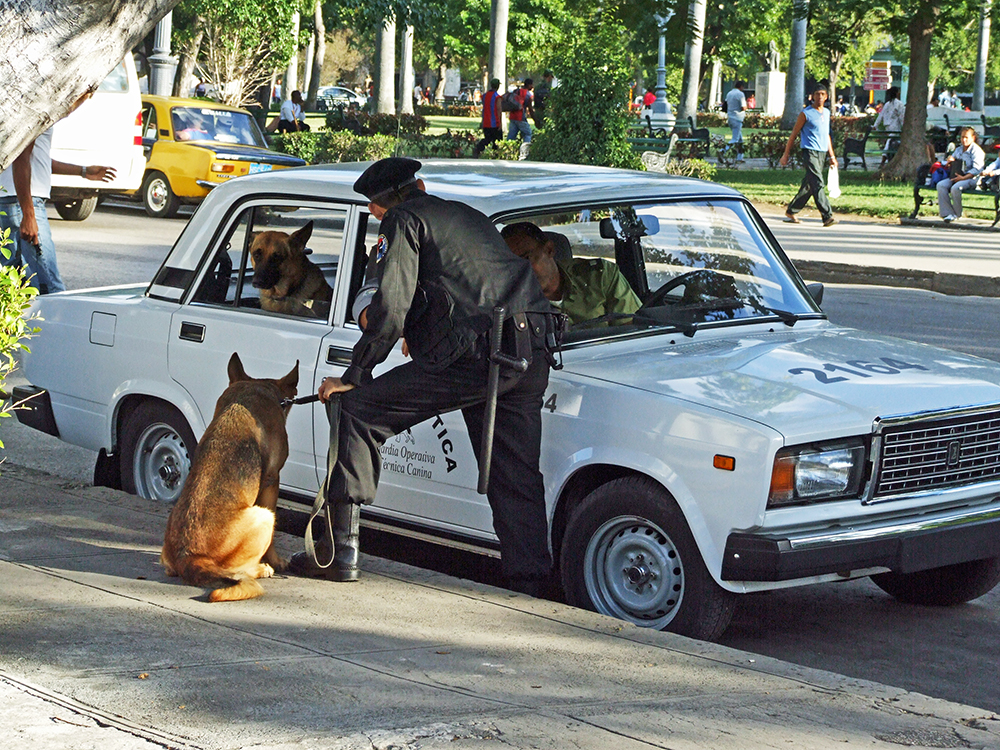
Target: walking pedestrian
492,123
813,124
736,106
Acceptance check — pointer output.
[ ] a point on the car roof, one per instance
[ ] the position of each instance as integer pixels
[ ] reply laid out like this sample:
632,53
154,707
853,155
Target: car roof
495,187
180,101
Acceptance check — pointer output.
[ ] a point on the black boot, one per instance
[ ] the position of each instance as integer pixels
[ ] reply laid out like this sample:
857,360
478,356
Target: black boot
346,528
347,544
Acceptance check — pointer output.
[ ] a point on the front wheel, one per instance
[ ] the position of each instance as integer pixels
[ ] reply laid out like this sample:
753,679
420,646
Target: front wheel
157,448
76,210
627,552
158,198
942,587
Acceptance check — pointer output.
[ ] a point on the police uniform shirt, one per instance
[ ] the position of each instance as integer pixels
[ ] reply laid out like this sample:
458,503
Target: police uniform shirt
592,287
442,267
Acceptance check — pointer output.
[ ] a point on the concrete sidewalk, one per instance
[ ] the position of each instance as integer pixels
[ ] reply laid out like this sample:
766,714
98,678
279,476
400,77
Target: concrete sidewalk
99,649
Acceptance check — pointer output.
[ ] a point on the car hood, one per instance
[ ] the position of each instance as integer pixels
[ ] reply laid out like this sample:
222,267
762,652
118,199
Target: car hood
241,152
806,383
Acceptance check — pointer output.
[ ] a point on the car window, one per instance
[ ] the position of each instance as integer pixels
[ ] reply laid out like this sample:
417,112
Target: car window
149,122
221,125
257,269
688,263
116,81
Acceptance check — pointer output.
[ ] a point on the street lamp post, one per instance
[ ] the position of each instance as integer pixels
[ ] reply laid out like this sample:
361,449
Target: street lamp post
662,116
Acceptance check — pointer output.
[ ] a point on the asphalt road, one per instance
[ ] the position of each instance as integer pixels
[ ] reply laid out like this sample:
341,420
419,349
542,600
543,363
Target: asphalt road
850,628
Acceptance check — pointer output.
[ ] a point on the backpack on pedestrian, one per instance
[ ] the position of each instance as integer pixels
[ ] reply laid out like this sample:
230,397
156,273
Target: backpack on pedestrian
511,102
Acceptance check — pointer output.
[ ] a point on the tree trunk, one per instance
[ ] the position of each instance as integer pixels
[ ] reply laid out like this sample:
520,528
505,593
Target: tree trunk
834,77
913,140
688,106
406,72
307,69
795,84
979,80
442,80
63,49
715,87
320,54
187,59
499,14
291,80
384,94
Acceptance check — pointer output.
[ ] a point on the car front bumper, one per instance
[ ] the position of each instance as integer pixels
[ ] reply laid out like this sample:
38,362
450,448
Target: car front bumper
910,545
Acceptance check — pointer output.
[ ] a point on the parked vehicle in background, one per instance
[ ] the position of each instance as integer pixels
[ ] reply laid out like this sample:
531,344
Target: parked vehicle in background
328,97
106,130
192,145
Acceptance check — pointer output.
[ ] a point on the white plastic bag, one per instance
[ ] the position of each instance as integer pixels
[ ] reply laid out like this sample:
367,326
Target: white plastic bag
833,181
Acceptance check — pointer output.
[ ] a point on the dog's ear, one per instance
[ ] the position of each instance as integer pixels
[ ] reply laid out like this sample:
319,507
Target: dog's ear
236,371
291,380
299,239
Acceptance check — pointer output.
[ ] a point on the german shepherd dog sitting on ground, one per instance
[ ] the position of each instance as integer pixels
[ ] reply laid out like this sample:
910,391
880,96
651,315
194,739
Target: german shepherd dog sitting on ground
220,533
288,281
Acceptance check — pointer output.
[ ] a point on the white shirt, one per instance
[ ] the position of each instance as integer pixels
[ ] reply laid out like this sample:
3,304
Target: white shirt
41,169
891,115
736,103
291,111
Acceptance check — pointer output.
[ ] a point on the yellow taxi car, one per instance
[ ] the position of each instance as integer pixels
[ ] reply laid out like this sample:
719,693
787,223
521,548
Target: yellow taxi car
192,145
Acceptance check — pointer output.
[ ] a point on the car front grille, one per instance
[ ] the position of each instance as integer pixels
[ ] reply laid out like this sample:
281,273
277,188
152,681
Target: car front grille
939,452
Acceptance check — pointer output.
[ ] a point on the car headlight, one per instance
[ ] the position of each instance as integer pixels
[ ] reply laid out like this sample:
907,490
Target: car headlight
812,473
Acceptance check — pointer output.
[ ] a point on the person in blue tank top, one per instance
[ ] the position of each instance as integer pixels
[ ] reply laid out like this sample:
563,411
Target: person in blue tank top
814,126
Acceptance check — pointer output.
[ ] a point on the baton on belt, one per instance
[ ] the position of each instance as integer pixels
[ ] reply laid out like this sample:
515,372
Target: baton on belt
497,360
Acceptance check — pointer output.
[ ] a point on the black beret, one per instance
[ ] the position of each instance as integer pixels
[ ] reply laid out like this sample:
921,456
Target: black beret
386,174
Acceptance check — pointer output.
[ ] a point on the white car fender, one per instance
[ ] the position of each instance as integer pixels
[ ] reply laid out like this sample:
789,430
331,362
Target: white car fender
168,391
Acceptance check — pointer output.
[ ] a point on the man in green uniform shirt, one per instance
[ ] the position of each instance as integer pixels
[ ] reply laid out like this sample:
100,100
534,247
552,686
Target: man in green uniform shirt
582,288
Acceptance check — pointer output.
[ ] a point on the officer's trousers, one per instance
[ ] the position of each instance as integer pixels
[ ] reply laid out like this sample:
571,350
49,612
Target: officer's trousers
409,394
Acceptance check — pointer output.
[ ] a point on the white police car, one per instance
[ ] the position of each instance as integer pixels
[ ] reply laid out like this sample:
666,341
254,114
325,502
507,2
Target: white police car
725,439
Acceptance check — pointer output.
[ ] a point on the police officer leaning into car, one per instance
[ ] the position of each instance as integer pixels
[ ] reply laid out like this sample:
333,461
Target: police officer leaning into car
442,267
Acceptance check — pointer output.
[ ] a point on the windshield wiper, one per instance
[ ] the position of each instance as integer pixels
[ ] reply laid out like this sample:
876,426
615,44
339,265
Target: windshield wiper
786,317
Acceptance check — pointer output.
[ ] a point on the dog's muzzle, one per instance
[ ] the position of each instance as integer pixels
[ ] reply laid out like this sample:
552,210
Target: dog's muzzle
266,276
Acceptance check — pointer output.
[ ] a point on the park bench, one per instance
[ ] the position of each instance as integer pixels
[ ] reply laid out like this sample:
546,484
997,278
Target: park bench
926,195
659,141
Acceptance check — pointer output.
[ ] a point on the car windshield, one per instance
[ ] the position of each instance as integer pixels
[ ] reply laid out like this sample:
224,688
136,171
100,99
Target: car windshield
665,266
220,125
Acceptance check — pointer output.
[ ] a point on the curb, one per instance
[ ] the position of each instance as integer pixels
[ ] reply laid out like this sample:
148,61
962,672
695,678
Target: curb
965,226
961,285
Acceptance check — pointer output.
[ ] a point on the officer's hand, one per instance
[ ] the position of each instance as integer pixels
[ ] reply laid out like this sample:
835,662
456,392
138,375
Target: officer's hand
330,386
406,349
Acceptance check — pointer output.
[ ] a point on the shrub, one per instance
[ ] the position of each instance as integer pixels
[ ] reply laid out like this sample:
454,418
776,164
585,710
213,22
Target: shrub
448,145
343,146
770,146
16,294
504,150
697,168
302,145
327,147
757,120
587,118
384,124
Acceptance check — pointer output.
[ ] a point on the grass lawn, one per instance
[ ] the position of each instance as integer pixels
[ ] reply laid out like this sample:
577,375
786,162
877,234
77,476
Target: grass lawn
441,123
861,192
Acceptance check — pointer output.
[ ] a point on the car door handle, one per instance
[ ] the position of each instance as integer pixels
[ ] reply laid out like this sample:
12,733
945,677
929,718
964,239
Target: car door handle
337,355
193,332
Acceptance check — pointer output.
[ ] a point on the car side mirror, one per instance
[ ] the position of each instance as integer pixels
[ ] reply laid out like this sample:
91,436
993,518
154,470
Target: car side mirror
607,228
816,292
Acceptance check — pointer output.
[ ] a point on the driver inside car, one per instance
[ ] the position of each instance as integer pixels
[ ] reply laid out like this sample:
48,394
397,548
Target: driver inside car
582,288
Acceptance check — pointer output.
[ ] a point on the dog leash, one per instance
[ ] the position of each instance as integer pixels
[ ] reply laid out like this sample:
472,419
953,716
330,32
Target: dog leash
300,400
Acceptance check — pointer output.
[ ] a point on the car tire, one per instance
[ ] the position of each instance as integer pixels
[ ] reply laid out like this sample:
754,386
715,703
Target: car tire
157,448
76,210
942,587
158,198
627,552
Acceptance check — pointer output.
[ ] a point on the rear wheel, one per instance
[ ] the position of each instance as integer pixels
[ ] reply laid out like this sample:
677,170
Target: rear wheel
942,587
157,448
627,552
76,210
158,198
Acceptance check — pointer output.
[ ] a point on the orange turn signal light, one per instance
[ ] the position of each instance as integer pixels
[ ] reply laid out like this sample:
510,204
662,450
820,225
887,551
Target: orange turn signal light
783,479
726,463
